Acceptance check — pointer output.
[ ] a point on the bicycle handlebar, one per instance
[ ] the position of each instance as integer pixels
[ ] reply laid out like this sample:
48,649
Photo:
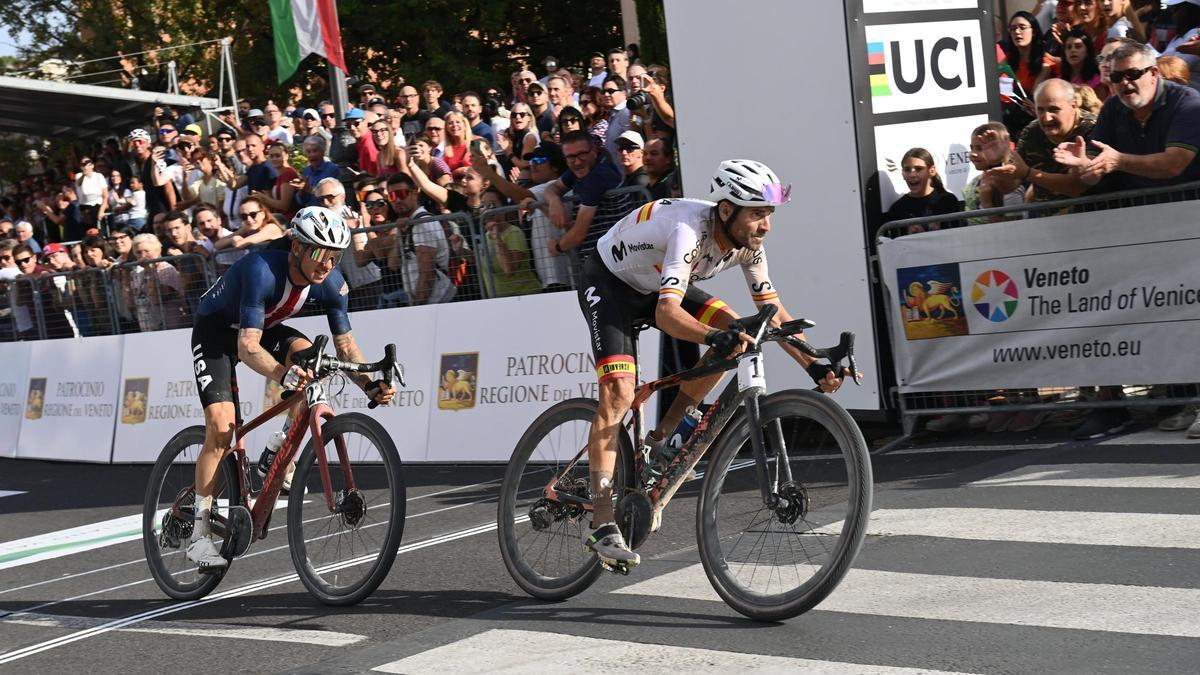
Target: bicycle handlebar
323,365
844,350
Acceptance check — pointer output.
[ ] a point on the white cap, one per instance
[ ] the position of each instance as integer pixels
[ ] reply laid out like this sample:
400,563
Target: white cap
633,137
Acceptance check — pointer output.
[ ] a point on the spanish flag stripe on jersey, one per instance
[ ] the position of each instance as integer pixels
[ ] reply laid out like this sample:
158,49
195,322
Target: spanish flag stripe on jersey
615,367
711,310
763,297
669,291
644,212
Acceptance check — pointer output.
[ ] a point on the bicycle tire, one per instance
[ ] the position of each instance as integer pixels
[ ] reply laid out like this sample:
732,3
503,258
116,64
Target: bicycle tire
173,572
383,493
551,442
720,547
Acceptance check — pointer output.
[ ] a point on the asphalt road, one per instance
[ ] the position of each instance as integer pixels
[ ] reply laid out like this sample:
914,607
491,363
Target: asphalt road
1029,557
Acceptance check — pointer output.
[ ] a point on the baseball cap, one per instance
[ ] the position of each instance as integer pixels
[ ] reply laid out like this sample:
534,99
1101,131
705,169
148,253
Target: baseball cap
365,88
193,130
51,249
535,84
378,100
139,135
255,112
550,151
225,132
549,62
354,114
632,138
309,113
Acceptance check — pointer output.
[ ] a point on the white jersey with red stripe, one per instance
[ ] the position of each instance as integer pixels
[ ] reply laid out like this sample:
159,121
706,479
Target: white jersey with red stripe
667,244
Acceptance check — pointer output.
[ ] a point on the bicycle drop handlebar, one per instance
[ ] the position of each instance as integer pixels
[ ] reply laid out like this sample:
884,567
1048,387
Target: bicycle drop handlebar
322,365
757,327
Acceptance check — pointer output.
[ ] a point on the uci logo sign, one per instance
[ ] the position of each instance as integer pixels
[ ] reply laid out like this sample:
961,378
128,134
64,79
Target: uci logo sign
925,65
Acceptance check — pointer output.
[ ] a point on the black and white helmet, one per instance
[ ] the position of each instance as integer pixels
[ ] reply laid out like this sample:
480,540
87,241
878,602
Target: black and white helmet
746,182
319,226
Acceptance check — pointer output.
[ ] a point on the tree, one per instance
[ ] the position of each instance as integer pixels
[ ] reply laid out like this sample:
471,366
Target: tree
460,44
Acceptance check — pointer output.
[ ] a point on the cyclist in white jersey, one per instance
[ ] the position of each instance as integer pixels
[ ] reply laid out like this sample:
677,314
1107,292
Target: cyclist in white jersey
643,271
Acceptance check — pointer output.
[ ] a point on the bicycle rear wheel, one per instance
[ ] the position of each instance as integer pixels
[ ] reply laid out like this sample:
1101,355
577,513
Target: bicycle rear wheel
542,540
775,563
343,554
167,515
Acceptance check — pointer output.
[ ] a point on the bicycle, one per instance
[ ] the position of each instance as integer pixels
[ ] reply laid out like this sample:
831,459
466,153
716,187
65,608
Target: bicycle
359,473
808,497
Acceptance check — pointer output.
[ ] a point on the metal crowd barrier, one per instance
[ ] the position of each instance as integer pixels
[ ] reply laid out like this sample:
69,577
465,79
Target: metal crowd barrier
164,293
1049,399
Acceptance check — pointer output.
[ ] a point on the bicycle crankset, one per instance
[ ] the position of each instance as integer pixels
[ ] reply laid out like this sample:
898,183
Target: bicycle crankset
792,504
634,514
238,525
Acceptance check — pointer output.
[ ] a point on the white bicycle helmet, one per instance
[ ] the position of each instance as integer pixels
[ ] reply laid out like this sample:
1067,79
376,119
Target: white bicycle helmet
746,182
319,226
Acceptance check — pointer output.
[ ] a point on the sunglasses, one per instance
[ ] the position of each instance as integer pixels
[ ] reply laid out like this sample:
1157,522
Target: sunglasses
86,162
26,259
377,203
325,256
538,161
397,195
1132,75
521,114
435,129
164,132
329,115
328,198
610,92
249,215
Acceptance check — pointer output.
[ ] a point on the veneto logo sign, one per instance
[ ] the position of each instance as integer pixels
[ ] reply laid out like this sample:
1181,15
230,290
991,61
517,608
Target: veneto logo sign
918,66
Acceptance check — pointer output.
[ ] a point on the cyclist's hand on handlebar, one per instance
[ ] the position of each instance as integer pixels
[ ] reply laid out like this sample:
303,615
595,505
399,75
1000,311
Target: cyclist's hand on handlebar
728,343
380,392
294,377
823,375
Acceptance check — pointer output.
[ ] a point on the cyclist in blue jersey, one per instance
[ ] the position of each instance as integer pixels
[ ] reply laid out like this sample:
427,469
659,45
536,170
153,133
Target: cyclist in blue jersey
240,319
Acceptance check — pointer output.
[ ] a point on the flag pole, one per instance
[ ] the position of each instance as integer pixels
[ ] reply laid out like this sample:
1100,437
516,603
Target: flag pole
337,91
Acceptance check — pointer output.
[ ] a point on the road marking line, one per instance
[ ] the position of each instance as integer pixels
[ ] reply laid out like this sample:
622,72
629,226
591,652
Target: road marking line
10,493
322,638
1144,610
263,584
1151,437
1094,528
520,651
1169,476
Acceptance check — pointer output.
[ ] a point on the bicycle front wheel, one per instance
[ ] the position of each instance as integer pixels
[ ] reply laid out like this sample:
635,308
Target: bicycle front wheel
343,553
775,562
542,540
167,515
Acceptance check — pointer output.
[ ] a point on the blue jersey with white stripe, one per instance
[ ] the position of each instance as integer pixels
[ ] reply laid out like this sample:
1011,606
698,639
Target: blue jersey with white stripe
256,292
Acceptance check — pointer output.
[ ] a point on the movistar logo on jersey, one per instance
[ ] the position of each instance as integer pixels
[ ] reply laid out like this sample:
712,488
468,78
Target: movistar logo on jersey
591,297
619,250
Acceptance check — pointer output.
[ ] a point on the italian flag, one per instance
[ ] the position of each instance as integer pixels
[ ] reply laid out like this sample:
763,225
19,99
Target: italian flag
304,27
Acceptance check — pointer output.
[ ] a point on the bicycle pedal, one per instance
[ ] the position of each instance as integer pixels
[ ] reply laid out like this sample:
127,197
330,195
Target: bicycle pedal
616,568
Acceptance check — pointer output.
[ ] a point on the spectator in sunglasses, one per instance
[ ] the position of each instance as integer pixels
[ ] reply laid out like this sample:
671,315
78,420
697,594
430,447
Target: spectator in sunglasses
519,139
258,226
595,112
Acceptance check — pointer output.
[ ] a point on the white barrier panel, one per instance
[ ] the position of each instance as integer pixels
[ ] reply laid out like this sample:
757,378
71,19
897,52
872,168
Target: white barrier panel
1081,299
493,378
14,383
71,402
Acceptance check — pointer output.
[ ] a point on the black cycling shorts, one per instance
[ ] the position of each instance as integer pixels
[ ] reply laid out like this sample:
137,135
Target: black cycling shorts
215,353
612,308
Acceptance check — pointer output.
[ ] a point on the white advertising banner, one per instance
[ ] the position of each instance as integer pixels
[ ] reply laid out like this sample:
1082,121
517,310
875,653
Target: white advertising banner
70,405
1082,299
14,383
493,378
931,64
948,140
879,6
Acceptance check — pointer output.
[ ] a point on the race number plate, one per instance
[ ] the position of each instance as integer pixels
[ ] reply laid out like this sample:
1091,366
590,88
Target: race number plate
751,373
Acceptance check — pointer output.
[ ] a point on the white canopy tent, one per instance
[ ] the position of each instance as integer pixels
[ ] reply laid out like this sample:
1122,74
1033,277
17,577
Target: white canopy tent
50,108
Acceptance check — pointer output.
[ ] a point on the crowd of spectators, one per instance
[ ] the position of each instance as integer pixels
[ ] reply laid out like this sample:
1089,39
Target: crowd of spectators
138,227
1104,98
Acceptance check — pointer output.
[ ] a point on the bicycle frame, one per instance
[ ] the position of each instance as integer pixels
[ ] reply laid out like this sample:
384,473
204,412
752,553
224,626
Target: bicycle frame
315,411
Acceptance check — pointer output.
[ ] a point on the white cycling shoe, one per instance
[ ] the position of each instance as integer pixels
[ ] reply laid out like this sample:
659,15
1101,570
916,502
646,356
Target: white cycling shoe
609,545
206,554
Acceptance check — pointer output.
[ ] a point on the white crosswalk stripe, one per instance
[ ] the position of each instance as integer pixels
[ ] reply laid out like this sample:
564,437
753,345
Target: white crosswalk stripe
923,523
536,652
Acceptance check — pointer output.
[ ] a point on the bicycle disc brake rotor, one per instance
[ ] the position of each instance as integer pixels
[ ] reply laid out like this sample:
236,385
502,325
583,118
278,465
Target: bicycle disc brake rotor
794,503
634,514
352,507
238,524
